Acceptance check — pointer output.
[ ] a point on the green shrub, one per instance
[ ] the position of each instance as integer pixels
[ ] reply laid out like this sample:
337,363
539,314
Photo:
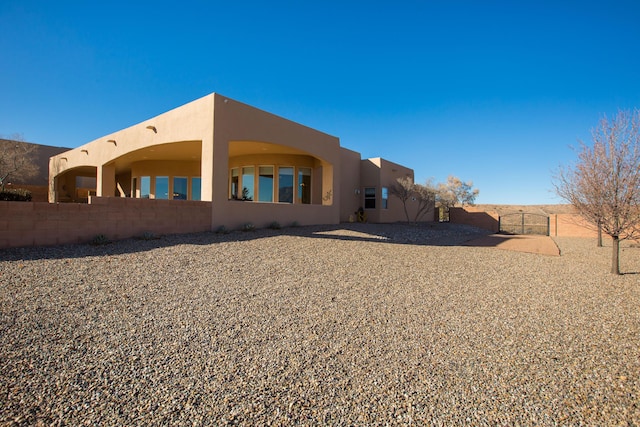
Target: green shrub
148,235
248,227
275,225
100,239
295,224
15,195
222,230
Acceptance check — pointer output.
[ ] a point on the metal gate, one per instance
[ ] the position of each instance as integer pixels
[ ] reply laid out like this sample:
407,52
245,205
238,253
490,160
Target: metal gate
524,223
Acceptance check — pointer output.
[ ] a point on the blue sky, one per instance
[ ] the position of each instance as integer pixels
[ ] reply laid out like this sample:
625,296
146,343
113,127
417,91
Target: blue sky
495,92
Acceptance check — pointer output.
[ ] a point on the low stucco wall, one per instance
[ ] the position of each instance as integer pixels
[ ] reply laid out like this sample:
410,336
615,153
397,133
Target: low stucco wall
234,214
41,224
570,225
475,217
560,225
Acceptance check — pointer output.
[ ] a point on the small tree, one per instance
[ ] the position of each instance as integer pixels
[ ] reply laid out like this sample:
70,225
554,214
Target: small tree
423,194
403,189
604,185
17,160
455,191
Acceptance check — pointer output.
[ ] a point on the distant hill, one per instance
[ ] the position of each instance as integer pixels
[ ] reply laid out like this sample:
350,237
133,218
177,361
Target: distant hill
536,209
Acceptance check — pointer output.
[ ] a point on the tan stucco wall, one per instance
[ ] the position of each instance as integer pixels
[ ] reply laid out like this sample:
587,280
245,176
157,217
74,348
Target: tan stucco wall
379,173
237,122
209,136
350,194
190,122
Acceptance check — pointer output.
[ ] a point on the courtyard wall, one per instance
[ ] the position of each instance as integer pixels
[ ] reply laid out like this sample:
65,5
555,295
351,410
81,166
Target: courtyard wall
43,224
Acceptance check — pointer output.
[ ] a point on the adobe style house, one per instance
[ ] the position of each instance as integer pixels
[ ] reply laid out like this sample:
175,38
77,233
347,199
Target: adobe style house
252,166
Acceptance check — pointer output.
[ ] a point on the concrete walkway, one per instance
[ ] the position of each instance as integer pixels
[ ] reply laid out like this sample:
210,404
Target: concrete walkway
543,245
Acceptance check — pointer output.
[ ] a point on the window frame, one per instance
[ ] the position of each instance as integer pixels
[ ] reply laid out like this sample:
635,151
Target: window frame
369,199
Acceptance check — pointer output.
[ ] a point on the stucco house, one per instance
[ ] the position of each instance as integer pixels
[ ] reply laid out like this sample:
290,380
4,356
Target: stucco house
251,165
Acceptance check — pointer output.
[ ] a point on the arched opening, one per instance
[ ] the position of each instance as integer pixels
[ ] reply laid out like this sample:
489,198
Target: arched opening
273,173
76,185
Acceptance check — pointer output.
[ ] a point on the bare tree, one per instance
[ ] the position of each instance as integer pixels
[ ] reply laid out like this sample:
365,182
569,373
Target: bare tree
17,160
423,194
604,184
403,190
455,191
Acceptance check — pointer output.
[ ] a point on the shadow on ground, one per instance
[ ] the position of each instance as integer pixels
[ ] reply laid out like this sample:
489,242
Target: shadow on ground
423,234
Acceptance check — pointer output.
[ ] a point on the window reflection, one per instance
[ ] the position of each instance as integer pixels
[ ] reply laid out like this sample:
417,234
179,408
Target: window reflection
162,187
285,185
247,183
179,188
145,187
265,184
304,185
196,184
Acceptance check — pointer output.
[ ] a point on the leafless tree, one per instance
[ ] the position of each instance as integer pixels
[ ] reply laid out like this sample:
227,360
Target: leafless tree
456,192
17,160
423,194
604,184
403,190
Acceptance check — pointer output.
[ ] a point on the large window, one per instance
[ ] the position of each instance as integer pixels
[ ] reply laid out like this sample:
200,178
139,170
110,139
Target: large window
247,183
369,197
196,187
304,185
285,185
385,198
270,184
265,184
162,187
145,187
179,188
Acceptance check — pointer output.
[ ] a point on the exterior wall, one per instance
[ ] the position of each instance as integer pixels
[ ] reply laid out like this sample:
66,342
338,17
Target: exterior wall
190,122
475,217
237,126
560,225
36,224
350,194
570,225
208,137
379,173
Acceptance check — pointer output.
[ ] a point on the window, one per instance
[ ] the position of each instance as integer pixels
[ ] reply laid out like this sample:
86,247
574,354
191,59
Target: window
196,186
179,188
145,187
385,198
304,185
162,187
369,197
235,183
285,185
265,184
247,183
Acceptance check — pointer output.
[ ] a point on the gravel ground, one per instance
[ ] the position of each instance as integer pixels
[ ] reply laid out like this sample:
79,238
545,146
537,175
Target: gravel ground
353,325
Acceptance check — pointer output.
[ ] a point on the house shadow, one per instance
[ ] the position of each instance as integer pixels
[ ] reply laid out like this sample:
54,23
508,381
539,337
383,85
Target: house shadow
421,234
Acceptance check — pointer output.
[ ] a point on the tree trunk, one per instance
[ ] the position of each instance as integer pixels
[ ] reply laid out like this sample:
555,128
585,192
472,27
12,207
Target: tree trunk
599,235
404,205
615,260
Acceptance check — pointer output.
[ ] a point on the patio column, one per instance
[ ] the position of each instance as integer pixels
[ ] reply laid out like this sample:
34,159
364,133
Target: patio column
106,181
